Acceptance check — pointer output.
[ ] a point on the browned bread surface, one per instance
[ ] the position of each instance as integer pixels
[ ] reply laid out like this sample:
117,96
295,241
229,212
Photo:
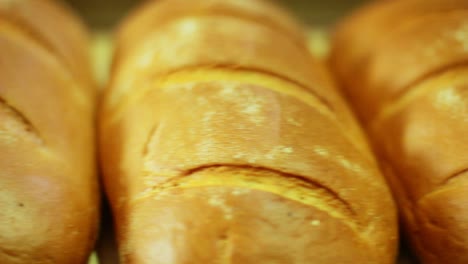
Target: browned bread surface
223,141
406,75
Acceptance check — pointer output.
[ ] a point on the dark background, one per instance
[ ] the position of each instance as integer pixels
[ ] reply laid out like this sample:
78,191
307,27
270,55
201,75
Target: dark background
106,13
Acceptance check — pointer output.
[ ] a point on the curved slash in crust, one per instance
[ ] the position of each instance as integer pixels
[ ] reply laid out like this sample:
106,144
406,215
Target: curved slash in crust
307,181
233,67
454,176
416,83
148,140
27,125
28,32
445,183
298,188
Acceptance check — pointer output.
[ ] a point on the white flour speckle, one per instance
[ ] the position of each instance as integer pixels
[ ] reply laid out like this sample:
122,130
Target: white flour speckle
321,151
240,191
188,27
315,222
461,35
277,151
208,116
228,90
239,155
348,164
251,109
293,122
219,202
287,150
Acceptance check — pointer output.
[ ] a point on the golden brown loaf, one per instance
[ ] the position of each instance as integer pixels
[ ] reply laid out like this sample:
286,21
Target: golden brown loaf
48,187
224,142
403,66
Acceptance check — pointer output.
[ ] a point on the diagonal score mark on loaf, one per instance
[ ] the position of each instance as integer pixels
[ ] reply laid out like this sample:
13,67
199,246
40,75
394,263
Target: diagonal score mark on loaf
455,176
18,34
291,186
294,87
14,122
447,184
439,86
417,90
407,94
28,32
147,144
24,29
455,37
453,182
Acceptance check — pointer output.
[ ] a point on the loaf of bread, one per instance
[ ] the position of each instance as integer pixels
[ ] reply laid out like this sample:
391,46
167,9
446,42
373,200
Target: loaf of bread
48,187
223,141
403,66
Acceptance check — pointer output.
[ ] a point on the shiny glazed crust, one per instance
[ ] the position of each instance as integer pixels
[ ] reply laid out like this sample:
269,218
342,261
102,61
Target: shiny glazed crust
48,185
409,84
223,141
